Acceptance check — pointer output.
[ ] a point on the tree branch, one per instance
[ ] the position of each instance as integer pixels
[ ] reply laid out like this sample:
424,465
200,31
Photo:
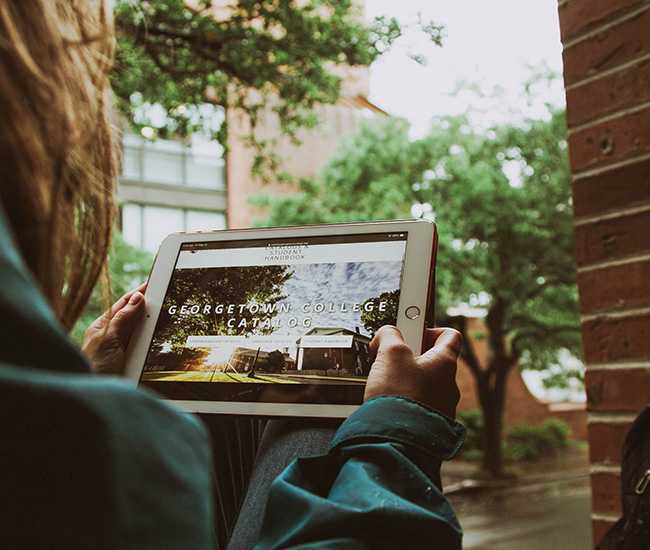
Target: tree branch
539,330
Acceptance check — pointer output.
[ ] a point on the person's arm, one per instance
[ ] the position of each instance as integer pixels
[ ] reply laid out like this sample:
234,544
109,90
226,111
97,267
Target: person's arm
379,484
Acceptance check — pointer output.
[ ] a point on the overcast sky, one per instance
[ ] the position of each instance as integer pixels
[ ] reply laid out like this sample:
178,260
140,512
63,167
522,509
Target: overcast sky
490,43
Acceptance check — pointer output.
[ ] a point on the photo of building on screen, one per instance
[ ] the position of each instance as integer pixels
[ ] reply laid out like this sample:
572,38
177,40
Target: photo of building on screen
293,324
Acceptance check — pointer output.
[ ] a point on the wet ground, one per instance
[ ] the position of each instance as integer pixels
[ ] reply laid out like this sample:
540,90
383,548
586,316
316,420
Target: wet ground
555,516
543,510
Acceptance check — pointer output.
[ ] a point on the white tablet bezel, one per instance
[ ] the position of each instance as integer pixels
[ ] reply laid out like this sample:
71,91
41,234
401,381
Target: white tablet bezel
417,279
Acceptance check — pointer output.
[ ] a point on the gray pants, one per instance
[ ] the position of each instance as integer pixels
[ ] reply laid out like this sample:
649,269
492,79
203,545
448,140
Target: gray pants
249,454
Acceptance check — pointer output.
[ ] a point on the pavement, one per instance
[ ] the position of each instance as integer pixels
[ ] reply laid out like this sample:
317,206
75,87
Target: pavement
548,505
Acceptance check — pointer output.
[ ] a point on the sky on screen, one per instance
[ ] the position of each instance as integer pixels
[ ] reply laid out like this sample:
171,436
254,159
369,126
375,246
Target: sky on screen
325,283
342,283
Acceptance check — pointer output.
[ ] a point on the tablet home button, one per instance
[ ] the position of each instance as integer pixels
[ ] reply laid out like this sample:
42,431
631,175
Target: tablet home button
412,312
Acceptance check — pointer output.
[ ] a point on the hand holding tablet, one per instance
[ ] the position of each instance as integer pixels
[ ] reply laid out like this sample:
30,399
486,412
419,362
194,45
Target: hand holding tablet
279,321
429,378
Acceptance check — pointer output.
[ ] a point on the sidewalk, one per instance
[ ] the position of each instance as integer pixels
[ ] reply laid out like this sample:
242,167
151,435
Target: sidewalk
547,506
459,476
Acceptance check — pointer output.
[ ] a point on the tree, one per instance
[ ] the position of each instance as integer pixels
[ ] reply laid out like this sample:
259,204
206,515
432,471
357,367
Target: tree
275,362
177,358
180,63
375,318
221,286
128,267
502,202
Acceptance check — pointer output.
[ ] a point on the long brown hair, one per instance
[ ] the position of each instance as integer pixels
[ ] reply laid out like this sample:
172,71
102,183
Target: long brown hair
57,160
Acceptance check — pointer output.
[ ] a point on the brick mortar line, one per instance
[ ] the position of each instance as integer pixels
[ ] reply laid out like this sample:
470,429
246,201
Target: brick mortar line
607,118
609,367
606,26
611,215
610,418
605,517
614,263
622,314
604,468
607,72
583,174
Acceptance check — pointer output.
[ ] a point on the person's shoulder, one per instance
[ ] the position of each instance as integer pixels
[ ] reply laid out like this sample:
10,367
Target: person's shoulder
101,451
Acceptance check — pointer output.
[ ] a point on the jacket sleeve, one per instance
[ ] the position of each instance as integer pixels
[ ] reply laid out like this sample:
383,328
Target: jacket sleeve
378,486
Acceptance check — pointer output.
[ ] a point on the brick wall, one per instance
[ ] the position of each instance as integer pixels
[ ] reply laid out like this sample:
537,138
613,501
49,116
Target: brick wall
607,80
318,145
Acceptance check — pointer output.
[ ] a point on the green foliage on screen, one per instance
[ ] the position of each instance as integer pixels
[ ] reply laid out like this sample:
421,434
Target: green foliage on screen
374,319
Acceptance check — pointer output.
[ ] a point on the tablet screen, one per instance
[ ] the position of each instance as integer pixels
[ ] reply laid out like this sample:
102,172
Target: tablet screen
275,320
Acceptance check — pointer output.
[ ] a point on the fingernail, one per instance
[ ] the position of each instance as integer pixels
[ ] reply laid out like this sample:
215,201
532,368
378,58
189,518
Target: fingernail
135,299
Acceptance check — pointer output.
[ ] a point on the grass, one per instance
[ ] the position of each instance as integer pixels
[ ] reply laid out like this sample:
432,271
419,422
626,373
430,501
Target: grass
243,378
208,376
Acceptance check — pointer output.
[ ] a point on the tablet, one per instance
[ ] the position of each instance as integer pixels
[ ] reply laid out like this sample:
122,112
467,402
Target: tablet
278,321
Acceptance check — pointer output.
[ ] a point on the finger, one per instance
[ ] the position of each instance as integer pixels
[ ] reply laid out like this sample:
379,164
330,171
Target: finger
100,324
117,306
430,337
124,321
389,340
379,336
447,345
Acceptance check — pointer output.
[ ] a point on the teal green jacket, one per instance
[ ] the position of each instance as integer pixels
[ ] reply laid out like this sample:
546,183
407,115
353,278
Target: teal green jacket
378,487
89,462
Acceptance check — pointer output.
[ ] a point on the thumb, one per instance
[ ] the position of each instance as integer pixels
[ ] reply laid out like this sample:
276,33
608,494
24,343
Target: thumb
123,322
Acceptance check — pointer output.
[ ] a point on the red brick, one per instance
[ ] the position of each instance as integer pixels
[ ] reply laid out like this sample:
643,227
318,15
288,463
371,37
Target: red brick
623,187
621,390
579,16
599,529
612,93
605,493
608,48
610,141
613,239
627,286
606,441
618,339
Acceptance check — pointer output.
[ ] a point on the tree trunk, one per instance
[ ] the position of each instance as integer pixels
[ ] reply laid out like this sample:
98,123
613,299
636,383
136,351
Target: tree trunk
490,384
492,398
492,452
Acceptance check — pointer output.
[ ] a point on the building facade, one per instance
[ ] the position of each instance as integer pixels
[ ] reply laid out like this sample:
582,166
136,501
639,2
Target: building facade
168,186
352,358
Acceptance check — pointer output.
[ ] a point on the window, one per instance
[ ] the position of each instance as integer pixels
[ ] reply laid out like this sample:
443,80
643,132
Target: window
158,222
146,226
198,220
167,162
132,224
